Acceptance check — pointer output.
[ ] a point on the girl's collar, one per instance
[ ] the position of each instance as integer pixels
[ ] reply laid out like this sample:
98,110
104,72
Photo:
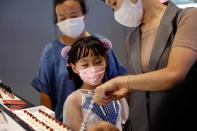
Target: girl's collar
87,91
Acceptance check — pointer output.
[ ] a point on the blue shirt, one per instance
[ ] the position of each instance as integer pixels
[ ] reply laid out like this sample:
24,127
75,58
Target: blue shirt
52,75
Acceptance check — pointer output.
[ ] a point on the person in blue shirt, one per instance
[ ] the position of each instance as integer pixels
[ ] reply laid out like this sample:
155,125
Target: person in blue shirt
51,79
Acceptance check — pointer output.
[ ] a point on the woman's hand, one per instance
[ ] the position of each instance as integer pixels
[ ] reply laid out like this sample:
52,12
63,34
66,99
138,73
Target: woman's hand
112,90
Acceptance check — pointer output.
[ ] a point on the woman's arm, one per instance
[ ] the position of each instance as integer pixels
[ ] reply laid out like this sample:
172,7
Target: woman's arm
180,61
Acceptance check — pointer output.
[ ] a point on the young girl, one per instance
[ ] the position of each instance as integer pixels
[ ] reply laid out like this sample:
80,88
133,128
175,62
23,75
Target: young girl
87,60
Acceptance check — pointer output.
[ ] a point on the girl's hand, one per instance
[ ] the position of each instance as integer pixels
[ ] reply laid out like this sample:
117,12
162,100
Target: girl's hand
104,126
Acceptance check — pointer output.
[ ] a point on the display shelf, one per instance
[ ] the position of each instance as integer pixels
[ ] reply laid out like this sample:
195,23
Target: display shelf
41,118
23,115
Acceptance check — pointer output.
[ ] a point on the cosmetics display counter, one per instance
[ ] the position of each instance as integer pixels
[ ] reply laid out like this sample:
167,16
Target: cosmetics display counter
18,114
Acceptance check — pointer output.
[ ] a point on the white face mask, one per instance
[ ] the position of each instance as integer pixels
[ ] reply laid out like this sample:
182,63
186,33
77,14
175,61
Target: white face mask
72,27
129,14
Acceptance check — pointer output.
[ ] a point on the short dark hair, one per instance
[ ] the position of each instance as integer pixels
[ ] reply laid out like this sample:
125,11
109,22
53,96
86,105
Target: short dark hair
81,49
57,2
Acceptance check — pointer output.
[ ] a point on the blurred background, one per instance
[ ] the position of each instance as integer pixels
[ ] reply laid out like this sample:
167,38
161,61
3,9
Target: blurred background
26,26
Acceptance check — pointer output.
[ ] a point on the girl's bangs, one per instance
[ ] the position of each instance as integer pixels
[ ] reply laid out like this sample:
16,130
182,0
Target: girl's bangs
84,52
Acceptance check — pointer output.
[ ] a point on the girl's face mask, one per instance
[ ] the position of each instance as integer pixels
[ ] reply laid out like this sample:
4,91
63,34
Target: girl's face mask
92,75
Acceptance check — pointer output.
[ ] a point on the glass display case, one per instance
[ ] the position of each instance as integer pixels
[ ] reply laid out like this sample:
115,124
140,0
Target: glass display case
186,3
20,115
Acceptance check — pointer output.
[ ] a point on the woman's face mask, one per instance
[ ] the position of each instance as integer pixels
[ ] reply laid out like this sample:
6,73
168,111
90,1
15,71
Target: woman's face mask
72,27
129,14
92,75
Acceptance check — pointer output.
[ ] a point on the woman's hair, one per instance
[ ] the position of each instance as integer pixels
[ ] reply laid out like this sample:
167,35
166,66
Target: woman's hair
81,49
57,2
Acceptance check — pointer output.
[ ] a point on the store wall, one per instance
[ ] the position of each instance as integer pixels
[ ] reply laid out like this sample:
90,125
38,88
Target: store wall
25,28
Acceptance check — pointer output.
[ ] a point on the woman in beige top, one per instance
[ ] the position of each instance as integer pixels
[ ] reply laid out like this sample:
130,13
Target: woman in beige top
162,53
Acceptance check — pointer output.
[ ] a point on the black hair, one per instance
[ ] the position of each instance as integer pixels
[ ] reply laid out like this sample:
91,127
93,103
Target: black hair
80,49
57,2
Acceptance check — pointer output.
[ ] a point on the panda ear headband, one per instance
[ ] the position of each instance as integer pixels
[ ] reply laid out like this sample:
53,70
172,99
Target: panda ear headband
105,42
